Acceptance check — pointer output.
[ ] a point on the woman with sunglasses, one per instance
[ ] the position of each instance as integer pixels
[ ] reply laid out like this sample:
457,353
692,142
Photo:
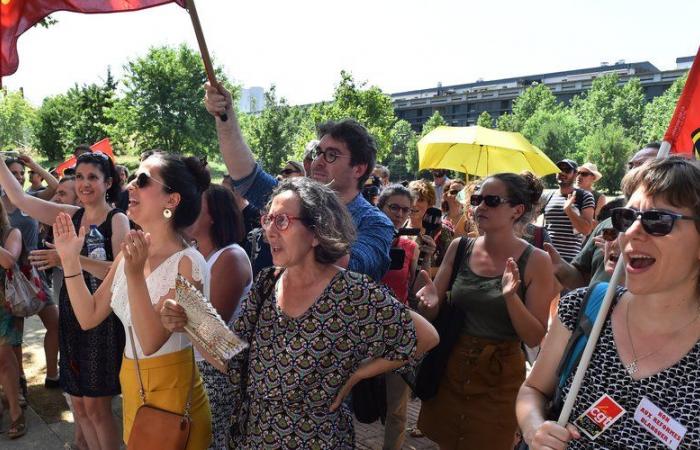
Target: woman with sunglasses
396,202
455,214
164,198
501,292
314,329
90,359
646,359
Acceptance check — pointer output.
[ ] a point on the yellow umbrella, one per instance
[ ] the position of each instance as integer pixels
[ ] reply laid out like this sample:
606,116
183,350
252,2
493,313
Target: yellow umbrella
481,151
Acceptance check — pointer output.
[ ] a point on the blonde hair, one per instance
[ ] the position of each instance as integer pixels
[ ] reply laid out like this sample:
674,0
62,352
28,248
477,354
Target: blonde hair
423,190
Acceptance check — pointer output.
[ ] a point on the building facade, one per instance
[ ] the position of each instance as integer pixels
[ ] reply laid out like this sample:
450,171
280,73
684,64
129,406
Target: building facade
461,105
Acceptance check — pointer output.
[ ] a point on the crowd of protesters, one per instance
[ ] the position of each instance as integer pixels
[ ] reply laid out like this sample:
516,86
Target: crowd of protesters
340,279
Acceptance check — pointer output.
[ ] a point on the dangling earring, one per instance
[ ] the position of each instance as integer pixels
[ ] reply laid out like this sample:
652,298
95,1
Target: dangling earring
167,213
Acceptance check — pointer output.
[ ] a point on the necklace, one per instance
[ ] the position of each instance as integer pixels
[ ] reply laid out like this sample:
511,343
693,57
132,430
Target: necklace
633,367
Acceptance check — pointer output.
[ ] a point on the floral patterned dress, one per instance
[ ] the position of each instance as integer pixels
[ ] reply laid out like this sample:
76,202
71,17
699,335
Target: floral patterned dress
295,367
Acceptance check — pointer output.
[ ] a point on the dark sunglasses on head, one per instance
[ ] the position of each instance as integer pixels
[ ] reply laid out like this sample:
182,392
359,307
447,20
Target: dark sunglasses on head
286,172
491,200
609,234
654,222
142,180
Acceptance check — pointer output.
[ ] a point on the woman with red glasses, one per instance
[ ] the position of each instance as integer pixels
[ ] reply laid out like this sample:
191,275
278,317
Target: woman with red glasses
314,330
89,359
646,360
499,299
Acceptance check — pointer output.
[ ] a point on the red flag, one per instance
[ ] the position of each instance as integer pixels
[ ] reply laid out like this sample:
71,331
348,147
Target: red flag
684,131
104,146
17,16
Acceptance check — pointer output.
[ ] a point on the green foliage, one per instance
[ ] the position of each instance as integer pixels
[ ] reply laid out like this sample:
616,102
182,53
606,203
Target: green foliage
271,134
162,105
556,133
608,102
609,148
485,120
16,120
80,116
403,159
537,97
658,112
436,120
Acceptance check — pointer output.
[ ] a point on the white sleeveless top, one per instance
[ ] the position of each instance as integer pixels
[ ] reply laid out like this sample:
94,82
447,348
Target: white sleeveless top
159,282
210,264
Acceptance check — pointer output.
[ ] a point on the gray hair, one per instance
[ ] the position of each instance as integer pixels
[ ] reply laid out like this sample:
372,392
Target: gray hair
392,190
324,214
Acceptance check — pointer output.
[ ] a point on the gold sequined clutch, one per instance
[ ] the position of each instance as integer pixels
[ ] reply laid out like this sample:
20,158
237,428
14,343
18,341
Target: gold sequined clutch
204,325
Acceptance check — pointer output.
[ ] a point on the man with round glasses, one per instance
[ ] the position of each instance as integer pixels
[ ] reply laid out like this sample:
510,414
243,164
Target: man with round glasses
343,159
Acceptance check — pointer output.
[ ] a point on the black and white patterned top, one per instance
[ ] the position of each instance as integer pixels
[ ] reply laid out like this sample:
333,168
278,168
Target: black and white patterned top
296,366
675,390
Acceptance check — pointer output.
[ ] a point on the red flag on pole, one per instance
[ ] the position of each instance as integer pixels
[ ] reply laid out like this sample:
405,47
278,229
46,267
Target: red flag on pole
684,131
17,16
104,146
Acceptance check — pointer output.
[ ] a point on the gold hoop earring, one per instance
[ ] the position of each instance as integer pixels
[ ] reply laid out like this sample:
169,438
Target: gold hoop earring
167,213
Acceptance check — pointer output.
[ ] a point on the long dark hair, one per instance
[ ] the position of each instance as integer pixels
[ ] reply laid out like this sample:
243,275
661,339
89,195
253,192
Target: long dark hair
227,221
189,177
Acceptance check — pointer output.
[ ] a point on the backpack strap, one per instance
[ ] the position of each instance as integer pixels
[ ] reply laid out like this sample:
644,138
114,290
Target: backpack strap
577,342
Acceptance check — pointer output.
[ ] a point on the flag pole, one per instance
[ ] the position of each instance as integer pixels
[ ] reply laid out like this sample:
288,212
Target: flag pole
203,50
566,410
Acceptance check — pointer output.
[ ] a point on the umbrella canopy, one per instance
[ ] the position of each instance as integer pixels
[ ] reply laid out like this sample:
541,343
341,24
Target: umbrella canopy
481,151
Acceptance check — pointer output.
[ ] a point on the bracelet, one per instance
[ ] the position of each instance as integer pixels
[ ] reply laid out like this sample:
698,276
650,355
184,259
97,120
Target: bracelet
65,277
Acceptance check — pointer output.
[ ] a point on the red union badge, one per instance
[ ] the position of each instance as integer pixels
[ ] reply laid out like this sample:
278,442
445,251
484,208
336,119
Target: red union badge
599,417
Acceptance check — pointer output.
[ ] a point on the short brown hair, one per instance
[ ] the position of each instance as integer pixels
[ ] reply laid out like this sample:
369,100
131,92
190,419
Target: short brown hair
423,190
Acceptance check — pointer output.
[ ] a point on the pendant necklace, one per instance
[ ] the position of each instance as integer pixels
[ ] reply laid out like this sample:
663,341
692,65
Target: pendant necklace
633,367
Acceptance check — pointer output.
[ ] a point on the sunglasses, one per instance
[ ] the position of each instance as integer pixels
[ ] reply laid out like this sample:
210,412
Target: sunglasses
654,222
286,172
584,174
454,191
399,209
565,169
281,221
491,201
609,234
329,155
143,180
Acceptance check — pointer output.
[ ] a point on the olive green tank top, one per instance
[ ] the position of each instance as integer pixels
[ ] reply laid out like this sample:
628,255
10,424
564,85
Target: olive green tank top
481,300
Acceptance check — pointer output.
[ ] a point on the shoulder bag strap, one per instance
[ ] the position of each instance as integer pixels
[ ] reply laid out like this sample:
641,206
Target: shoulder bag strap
142,392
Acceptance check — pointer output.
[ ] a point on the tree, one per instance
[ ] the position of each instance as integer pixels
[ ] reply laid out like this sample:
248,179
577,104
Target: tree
556,133
485,120
271,134
162,105
535,98
16,120
658,112
53,117
608,147
80,116
436,120
368,105
402,161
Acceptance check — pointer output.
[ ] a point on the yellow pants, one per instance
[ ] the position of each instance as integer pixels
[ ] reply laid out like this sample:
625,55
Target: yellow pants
166,381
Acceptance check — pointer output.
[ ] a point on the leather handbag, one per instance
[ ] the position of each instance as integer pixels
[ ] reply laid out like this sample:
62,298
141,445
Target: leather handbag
157,428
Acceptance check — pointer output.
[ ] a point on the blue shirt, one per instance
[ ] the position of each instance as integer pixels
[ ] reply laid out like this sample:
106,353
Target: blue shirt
369,254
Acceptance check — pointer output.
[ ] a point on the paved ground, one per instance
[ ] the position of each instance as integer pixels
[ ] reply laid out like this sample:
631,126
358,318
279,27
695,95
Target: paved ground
50,422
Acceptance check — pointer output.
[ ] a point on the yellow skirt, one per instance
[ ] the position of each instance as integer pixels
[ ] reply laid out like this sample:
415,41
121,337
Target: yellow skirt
166,381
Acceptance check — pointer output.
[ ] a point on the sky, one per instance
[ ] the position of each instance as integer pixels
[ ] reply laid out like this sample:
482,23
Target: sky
302,46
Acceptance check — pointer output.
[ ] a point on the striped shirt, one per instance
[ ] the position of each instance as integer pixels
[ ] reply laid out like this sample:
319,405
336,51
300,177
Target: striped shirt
564,237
